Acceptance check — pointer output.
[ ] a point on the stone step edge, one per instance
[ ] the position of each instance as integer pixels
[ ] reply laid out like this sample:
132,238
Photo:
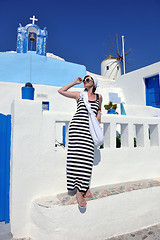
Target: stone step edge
65,199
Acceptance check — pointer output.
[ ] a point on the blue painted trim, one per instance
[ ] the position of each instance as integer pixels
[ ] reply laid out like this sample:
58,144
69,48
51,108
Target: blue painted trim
2,165
152,87
5,142
7,187
64,135
22,39
45,105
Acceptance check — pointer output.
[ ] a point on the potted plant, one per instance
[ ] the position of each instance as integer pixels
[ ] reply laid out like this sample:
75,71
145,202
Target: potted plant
111,108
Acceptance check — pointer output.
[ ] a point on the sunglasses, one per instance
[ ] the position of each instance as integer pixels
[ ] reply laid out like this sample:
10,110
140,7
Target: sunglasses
87,80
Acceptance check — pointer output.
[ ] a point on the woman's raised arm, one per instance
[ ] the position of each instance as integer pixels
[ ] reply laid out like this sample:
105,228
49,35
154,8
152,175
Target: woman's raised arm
64,90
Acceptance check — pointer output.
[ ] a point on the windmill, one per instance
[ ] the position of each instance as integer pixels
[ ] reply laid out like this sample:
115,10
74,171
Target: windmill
111,66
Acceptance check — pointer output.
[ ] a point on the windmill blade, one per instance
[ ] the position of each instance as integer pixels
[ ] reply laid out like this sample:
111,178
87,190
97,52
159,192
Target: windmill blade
128,52
110,48
126,70
113,45
129,64
122,54
121,59
113,63
117,43
117,60
131,59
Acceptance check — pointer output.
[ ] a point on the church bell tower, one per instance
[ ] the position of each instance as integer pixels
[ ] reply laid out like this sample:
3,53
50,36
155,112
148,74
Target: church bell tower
23,35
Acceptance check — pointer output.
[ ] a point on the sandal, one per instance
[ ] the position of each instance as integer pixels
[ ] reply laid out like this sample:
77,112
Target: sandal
88,195
81,203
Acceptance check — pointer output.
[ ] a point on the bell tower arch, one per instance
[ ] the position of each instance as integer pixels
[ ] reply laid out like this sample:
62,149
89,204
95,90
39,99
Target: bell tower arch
23,35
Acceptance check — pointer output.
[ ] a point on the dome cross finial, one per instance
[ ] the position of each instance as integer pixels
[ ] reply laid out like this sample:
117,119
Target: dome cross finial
33,19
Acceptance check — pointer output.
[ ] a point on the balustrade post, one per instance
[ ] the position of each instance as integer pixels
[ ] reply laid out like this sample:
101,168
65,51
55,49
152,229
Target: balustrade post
124,135
106,135
154,134
146,135
113,135
131,135
140,135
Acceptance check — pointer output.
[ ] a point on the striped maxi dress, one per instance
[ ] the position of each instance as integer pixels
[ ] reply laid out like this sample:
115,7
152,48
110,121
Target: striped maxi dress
80,153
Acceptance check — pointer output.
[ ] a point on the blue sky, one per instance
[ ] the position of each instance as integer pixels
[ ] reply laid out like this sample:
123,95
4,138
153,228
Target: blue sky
77,30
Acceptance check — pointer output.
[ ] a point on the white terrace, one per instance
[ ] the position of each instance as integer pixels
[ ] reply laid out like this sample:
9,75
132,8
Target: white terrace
38,172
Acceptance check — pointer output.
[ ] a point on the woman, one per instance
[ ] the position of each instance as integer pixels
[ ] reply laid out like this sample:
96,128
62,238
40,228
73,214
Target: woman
80,154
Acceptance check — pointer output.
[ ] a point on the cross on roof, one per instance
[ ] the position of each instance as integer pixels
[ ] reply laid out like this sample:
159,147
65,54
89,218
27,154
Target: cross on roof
33,19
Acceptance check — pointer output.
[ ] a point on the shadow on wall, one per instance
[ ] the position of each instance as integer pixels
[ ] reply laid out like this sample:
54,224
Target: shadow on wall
97,156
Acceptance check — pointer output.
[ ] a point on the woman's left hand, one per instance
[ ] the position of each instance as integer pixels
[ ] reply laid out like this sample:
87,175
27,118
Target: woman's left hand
99,116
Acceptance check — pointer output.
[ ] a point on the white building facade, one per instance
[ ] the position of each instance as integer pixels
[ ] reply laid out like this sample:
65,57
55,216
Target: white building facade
37,164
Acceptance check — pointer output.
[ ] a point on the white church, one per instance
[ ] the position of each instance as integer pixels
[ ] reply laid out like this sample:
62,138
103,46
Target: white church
33,134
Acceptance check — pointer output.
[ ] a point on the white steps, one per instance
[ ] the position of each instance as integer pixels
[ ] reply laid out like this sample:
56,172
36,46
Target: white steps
114,210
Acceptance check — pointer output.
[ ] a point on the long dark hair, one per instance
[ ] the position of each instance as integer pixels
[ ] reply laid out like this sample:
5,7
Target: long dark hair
94,88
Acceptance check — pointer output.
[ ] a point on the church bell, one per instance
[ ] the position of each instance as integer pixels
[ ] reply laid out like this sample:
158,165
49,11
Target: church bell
32,38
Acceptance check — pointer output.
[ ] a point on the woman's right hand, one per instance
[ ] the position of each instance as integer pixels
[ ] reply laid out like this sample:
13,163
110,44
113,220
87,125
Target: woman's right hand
78,80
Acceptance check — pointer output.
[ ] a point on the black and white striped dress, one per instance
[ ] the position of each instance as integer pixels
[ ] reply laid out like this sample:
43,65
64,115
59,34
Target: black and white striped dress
80,153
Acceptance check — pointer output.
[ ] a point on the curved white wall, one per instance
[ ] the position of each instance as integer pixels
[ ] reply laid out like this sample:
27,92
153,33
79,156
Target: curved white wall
110,68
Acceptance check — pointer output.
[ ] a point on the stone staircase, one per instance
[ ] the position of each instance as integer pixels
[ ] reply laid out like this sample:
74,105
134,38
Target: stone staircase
114,210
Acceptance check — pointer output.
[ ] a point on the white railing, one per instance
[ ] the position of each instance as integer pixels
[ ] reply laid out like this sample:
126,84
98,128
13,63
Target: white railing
129,131
134,131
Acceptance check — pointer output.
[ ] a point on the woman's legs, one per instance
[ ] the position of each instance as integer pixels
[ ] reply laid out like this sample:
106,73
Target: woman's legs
80,199
88,194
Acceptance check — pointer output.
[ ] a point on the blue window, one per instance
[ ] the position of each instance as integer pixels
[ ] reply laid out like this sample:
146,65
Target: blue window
152,91
45,105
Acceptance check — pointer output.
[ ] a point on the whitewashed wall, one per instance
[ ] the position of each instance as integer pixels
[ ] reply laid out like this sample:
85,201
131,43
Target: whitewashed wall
11,91
133,84
38,169
129,87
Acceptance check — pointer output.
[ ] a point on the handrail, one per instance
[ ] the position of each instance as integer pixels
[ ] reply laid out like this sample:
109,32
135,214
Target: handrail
132,131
